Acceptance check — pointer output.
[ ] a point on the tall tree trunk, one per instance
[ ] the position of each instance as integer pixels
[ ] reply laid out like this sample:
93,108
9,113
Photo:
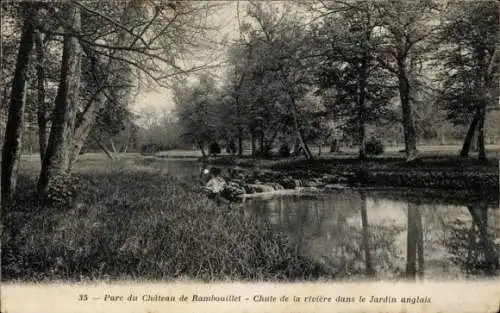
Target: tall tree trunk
57,156
366,236
11,152
483,91
410,134
42,107
362,139
470,134
361,108
240,127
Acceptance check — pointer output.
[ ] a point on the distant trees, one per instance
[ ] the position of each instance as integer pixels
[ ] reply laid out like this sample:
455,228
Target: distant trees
349,76
198,107
359,65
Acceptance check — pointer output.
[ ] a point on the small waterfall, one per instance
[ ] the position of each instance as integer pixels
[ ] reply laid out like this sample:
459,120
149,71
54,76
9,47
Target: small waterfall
277,186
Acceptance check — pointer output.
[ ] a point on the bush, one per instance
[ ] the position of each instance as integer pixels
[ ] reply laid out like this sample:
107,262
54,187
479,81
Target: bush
62,191
374,147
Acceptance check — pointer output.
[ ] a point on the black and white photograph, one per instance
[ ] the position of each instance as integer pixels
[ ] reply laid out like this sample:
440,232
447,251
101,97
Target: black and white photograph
300,141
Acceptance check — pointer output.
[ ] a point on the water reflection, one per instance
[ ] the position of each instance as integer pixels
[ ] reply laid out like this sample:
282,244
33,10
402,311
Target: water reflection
362,234
390,234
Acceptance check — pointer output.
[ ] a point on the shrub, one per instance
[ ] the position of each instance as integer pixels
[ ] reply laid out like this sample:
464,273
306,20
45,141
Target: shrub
374,147
62,191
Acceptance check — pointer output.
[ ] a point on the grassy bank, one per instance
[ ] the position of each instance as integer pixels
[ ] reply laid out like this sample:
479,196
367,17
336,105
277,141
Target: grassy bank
432,171
133,222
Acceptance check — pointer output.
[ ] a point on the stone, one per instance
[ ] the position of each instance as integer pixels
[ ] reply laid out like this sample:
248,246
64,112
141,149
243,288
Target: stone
262,188
311,183
232,190
248,188
215,185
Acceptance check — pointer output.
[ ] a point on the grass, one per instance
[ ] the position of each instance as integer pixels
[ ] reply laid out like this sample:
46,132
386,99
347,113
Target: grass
131,221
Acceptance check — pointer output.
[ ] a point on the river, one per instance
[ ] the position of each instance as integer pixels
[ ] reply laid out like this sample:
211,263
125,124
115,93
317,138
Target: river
362,233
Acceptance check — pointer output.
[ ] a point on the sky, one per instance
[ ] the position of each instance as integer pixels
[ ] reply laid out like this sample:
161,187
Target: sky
160,99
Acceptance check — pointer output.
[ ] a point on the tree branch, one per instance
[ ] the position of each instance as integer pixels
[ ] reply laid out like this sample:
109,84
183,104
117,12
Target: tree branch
130,32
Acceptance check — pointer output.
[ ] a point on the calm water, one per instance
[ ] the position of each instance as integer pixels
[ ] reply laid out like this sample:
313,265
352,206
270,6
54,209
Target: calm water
358,233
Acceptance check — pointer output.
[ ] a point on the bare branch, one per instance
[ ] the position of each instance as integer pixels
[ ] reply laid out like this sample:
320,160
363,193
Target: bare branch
111,21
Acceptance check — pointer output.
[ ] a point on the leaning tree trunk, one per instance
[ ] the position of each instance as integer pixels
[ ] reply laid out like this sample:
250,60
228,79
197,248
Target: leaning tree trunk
410,134
298,133
11,152
86,120
57,156
112,143
470,134
106,151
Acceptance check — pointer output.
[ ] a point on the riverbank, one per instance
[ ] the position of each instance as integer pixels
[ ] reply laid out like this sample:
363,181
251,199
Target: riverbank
133,221
439,172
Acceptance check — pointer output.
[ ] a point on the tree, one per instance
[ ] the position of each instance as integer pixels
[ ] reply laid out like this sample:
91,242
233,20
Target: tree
11,151
470,59
57,156
196,108
281,50
347,67
408,27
